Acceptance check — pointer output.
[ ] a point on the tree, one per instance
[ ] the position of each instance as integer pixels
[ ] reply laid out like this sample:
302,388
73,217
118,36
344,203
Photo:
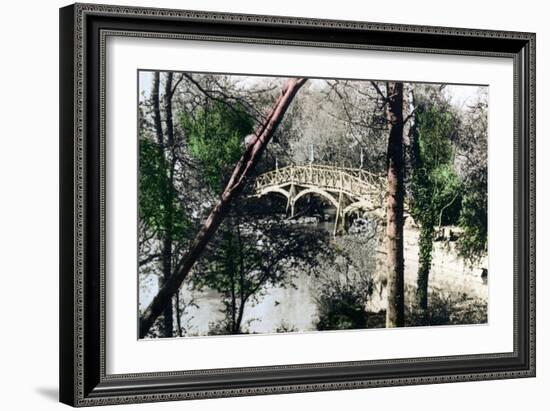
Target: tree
246,257
346,283
472,244
435,187
162,216
353,125
368,127
215,138
472,153
251,155
394,205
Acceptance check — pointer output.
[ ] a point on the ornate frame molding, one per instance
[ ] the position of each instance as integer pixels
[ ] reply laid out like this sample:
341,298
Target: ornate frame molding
82,178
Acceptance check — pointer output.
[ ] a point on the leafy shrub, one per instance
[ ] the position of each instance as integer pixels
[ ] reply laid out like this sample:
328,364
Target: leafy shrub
341,303
448,309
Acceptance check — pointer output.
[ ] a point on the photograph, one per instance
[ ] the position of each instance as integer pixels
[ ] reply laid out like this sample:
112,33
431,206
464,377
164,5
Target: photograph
274,204
257,201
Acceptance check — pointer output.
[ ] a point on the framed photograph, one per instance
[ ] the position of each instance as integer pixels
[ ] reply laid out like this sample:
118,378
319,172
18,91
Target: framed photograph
260,204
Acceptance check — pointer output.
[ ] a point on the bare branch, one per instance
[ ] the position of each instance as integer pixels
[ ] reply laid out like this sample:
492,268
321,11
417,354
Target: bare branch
377,88
210,94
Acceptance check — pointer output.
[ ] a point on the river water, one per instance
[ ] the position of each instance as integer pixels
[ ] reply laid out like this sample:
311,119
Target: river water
295,309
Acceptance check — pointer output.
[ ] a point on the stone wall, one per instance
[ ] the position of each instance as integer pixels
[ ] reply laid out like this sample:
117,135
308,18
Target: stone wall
450,274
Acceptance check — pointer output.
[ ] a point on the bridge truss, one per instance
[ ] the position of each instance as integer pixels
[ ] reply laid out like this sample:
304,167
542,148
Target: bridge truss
349,190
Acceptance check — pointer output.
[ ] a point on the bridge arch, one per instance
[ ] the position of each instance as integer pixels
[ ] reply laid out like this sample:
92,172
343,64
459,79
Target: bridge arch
359,205
346,189
366,206
318,191
274,189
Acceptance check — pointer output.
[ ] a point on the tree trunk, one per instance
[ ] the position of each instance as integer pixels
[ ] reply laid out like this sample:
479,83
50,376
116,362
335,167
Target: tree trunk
242,170
425,241
395,197
168,312
178,315
231,267
239,319
169,158
157,119
166,254
241,275
168,108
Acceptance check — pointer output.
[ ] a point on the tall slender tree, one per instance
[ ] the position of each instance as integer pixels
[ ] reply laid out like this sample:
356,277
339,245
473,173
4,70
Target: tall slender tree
168,315
394,205
387,105
162,214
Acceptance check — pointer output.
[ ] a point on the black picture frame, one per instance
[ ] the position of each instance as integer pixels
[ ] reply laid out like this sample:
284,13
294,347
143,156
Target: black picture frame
83,29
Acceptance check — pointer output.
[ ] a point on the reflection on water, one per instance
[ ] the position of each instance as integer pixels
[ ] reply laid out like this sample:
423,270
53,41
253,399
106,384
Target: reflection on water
294,308
291,309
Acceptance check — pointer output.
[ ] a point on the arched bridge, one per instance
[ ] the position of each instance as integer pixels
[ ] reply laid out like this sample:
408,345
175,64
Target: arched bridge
347,189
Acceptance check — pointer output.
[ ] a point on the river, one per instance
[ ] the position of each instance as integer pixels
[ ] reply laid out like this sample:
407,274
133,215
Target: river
295,308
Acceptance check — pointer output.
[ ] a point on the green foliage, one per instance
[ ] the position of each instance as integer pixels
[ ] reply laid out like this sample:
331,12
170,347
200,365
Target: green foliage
215,136
448,309
224,271
346,282
159,206
472,244
341,302
435,186
341,309
244,259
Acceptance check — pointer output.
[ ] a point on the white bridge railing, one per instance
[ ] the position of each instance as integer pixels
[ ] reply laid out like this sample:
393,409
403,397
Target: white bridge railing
348,189
354,182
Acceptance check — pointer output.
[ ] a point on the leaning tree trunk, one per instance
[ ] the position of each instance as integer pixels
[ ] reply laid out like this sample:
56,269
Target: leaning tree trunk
394,205
242,170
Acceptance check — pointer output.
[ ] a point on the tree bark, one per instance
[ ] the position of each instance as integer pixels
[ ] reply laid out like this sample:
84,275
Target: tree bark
166,254
425,241
168,108
178,315
168,159
394,204
242,170
241,275
157,119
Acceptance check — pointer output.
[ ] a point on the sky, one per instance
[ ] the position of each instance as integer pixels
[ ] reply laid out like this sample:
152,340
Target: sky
460,95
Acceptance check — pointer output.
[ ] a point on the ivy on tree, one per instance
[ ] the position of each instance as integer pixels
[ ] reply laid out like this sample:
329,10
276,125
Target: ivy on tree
435,186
